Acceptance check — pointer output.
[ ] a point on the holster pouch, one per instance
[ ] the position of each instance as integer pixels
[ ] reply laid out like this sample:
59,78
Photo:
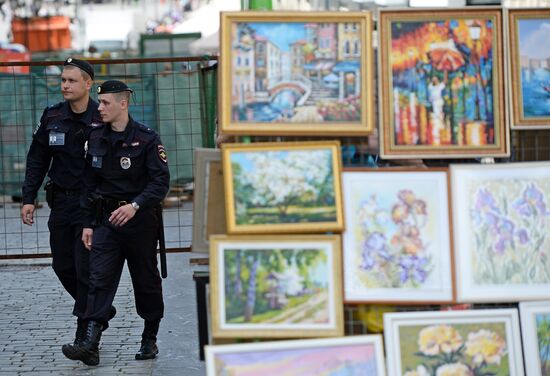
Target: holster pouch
97,204
50,190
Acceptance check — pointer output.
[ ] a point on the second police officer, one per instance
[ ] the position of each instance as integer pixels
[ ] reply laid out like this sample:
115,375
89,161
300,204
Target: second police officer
126,179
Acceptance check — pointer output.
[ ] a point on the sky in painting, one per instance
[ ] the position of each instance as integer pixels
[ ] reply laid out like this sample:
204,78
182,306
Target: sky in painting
533,38
284,361
282,34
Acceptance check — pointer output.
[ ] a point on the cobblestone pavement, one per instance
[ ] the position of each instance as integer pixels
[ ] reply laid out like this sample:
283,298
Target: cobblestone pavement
35,321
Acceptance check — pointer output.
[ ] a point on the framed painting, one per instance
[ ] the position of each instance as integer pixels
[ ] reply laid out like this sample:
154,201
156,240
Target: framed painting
357,355
500,217
441,84
471,342
535,331
397,243
278,286
208,198
291,73
283,187
529,54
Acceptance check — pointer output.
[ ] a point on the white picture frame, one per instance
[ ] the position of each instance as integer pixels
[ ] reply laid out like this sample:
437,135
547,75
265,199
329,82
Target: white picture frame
392,258
535,321
499,213
453,341
362,354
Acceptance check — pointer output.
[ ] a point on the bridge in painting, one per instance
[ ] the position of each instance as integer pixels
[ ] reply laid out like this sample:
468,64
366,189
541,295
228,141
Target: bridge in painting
297,83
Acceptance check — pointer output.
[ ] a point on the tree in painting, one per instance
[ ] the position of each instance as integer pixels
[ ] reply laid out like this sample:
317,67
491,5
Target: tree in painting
276,285
284,186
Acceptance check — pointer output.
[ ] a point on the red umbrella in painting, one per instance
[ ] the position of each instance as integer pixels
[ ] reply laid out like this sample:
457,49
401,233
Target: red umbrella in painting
446,57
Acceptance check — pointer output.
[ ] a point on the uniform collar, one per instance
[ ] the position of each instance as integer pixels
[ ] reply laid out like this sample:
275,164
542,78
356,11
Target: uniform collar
88,114
128,134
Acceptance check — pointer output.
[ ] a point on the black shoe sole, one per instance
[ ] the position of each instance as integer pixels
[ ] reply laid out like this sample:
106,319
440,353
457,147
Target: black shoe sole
69,351
146,356
85,356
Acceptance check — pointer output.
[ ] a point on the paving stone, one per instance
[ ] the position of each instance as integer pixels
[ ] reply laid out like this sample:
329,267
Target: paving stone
35,321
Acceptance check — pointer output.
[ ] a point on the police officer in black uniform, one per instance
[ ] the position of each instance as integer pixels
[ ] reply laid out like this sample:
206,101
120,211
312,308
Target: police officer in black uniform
126,179
57,149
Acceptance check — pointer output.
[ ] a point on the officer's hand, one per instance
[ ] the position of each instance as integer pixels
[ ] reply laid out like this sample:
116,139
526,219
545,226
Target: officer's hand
87,238
27,214
122,215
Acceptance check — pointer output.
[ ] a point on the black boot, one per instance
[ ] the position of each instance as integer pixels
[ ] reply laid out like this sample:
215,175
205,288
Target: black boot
112,313
149,349
88,350
80,336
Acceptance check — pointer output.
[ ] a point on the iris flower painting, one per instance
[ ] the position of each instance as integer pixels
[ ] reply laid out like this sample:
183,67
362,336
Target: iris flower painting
502,225
397,245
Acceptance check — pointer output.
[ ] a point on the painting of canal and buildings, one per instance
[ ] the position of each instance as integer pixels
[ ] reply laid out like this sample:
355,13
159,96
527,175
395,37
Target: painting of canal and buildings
442,80
304,72
535,66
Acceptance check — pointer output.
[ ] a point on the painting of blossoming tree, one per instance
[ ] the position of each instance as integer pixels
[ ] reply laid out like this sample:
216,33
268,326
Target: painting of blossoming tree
397,242
502,216
282,187
467,343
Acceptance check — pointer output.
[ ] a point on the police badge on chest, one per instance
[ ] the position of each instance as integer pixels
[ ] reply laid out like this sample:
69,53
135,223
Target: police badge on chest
56,139
125,163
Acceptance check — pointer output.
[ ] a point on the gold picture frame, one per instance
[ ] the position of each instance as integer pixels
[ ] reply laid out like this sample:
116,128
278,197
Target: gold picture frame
258,290
442,84
283,187
291,73
529,83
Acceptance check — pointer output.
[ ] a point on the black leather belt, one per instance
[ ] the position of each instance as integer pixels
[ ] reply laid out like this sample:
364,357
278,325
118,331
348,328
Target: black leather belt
110,204
68,192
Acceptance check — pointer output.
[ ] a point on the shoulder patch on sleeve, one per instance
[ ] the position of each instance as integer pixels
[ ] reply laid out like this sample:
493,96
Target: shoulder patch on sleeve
162,154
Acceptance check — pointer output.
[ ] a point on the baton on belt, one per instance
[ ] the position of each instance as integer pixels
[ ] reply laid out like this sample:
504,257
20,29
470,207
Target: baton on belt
162,244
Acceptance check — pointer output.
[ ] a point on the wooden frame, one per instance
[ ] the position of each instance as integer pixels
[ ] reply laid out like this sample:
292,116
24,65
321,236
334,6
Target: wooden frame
363,354
500,213
471,342
529,83
433,103
283,187
329,85
397,245
208,186
285,286
535,328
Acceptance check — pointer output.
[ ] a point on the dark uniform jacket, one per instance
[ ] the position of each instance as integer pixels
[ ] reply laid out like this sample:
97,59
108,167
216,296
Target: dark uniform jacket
59,141
127,166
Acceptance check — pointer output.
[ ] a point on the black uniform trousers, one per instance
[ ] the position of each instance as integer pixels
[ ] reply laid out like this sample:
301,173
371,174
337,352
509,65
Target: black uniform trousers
70,260
135,242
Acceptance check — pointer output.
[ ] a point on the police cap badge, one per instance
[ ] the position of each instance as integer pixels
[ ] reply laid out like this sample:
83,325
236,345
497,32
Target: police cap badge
113,86
82,64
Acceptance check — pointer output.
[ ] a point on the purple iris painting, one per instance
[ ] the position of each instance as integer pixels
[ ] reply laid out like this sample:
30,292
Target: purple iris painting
396,244
510,223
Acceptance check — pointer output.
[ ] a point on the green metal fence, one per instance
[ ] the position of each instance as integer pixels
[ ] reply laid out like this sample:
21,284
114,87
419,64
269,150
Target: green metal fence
174,96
